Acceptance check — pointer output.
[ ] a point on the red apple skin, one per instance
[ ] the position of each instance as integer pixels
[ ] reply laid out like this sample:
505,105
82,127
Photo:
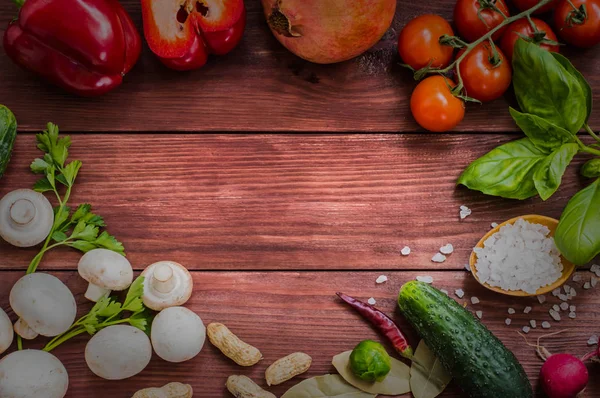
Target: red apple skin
330,31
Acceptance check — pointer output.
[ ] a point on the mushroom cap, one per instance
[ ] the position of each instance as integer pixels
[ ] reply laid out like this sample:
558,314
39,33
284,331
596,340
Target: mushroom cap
106,269
26,218
182,287
6,331
32,374
44,303
118,352
178,334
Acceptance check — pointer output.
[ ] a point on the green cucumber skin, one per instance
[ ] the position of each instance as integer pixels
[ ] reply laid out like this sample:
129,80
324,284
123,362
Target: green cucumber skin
8,134
480,364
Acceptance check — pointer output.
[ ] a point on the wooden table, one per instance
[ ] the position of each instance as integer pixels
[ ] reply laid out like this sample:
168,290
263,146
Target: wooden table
272,225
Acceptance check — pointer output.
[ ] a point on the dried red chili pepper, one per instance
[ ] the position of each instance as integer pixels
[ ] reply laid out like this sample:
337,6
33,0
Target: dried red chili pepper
382,323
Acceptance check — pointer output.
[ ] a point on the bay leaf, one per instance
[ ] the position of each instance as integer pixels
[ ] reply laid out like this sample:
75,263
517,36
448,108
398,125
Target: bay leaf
428,377
397,382
333,386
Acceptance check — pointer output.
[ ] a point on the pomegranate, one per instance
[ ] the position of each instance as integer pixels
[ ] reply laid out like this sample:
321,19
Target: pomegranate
329,31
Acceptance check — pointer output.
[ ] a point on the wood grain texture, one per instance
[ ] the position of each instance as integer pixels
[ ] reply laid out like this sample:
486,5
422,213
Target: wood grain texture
282,202
260,86
281,312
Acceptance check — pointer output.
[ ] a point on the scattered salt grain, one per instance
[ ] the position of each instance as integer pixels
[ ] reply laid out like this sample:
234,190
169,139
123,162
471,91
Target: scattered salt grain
494,225
464,212
479,314
507,321
381,279
556,292
577,278
564,306
572,315
372,301
593,340
555,315
541,298
474,300
447,249
526,329
520,256
587,285
511,311
459,293
563,297
572,308
595,268
405,251
546,325
567,288
533,323
468,267
594,281
438,258
425,279
556,308
444,291
527,310
573,292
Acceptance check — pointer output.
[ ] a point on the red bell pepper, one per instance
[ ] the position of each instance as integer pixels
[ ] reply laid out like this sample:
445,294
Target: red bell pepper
83,46
182,33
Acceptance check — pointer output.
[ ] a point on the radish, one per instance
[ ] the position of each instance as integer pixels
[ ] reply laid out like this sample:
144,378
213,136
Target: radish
563,375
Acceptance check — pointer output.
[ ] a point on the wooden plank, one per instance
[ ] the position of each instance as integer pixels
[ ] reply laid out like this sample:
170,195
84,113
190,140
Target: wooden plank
258,87
281,202
281,312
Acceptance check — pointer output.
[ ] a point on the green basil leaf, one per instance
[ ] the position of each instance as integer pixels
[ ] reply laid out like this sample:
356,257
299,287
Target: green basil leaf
591,169
506,171
548,174
544,135
545,88
578,233
587,90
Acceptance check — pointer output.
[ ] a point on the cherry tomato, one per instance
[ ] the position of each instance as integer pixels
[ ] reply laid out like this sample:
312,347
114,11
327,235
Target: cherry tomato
419,44
579,26
523,27
527,4
473,20
434,107
486,76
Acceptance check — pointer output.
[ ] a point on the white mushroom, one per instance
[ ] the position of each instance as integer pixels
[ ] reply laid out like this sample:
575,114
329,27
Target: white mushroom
167,284
44,304
32,374
178,334
105,270
26,217
118,352
6,331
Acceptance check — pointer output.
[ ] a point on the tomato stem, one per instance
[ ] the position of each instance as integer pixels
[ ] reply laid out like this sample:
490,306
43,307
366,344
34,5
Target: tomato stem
470,47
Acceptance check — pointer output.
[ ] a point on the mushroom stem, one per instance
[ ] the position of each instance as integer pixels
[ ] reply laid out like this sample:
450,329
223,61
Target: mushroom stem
162,279
22,212
95,292
22,329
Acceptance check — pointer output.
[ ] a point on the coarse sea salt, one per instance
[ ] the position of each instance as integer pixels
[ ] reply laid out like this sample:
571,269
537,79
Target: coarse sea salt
494,225
572,308
372,301
527,310
572,315
479,314
507,321
438,258
594,281
556,292
563,297
595,268
459,293
546,325
567,288
511,311
587,285
468,267
526,329
533,323
555,315
541,299
464,212
447,249
381,279
520,256
444,291
577,278
564,306
474,300
555,307
593,340
425,279
405,251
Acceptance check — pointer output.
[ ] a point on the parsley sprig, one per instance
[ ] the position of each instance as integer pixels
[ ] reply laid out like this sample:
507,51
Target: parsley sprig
109,311
80,230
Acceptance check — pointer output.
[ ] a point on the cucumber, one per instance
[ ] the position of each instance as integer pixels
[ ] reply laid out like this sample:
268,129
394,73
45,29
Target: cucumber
8,134
479,363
